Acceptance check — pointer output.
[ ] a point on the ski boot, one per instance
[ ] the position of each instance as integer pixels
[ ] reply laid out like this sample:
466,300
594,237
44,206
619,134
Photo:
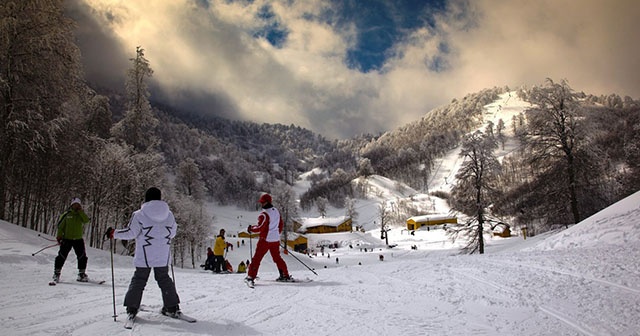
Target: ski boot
285,278
249,281
131,313
171,311
82,277
56,276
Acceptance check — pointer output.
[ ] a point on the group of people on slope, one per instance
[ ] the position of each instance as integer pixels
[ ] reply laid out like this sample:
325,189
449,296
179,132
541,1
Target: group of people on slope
153,227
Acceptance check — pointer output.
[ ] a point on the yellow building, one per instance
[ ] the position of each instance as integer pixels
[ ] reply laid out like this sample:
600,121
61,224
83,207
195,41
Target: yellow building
502,230
323,225
244,234
416,222
297,242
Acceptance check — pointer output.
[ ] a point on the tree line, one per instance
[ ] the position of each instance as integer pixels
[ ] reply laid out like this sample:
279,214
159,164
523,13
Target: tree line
58,138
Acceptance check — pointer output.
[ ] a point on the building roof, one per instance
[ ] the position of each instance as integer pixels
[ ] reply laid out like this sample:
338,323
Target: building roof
306,223
425,218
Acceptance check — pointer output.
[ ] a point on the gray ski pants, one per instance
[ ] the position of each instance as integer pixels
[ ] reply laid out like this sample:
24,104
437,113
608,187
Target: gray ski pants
134,295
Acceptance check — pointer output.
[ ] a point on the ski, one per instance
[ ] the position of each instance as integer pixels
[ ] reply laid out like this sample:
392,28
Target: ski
292,280
251,284
179,316
130,322
95,282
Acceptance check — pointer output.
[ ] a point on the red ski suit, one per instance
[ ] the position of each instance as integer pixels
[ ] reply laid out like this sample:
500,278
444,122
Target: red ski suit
269,226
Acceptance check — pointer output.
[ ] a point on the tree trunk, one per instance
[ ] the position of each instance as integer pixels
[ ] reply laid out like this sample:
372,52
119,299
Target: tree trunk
480,221
573,198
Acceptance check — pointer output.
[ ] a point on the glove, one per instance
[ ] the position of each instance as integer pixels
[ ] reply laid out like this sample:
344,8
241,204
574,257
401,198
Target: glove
249,229
59,239
109,233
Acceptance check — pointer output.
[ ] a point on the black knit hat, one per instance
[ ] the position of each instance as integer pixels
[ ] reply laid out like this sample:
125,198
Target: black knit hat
152,194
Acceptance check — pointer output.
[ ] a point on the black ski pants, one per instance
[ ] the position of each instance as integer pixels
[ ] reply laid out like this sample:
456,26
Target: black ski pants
65,247
139,281
218,264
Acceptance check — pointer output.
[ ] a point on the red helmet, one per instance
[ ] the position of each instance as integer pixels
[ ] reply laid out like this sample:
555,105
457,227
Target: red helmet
265,198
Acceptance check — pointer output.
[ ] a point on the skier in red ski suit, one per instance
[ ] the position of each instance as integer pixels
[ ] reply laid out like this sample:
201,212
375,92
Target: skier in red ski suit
270,227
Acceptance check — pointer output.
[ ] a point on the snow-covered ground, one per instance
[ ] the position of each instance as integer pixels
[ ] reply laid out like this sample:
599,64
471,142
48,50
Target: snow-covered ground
584,280
581,281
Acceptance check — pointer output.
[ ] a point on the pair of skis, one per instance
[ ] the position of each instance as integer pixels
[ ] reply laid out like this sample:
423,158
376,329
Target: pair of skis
251,283
131,319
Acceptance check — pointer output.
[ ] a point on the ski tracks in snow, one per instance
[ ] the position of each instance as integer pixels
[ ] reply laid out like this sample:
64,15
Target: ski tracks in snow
557,297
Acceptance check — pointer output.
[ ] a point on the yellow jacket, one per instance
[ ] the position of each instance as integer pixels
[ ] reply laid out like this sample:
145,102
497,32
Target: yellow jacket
219,246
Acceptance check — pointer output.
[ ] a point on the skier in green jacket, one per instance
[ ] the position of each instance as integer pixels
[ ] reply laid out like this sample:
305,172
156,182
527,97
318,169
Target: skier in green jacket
70,231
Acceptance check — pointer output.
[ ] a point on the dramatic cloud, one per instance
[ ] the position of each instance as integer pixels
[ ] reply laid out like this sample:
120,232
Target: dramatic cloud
325,66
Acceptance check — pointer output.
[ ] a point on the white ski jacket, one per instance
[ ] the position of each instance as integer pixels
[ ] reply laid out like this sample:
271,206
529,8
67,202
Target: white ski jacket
153,227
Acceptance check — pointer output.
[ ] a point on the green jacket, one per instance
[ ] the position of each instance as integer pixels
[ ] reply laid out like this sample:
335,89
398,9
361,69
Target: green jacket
71,224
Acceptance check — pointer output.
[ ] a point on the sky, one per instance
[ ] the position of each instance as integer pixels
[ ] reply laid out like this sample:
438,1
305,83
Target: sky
344,68
577,281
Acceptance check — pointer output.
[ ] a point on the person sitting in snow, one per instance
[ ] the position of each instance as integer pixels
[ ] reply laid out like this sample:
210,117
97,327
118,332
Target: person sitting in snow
242,268
208,264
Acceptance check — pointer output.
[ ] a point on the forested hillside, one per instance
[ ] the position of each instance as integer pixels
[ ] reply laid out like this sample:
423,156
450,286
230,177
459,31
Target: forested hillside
62,138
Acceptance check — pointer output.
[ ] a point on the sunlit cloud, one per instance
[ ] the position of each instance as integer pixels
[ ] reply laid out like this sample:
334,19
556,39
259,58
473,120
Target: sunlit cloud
287,61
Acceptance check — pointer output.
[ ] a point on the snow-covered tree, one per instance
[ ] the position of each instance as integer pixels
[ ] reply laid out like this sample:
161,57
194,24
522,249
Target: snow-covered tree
193,229
189,180
322,204
473,192
384,215
350,209
40,85
555,133
284,198
500,132
137,128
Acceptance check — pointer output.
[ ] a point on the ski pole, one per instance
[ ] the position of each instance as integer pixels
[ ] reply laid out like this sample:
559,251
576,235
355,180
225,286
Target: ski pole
45,238
113,282
250,247
300,261
44,248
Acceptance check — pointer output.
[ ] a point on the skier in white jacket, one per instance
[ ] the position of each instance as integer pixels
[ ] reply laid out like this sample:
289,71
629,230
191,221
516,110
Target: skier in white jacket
152,226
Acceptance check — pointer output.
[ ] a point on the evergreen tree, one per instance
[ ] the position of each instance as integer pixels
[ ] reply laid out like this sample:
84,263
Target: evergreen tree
137,129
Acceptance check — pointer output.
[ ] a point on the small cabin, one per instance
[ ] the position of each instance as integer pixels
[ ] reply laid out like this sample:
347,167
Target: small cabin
416,222
297,242
501,230
323,225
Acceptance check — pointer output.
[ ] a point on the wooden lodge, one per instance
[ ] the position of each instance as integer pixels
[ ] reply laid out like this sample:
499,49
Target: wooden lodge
323,225
417,222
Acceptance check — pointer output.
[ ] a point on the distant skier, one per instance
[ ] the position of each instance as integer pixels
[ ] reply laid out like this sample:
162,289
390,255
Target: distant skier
270,227
152,226
69,236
